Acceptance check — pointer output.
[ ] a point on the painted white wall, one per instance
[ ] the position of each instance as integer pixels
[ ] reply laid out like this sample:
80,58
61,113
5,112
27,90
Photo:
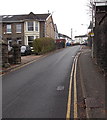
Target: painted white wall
31,33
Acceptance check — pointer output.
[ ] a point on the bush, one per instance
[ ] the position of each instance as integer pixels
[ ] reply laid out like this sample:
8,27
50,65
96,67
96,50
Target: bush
43,45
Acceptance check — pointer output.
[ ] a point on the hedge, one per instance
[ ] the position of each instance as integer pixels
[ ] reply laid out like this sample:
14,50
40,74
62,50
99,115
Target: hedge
43,45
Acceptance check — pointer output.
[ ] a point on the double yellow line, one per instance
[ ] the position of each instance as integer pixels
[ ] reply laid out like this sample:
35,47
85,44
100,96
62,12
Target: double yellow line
72,77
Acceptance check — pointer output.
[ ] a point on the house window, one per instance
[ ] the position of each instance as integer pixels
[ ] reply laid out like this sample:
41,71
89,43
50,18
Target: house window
19,41
18,28
8,28
30,26
36,26
37,37
30,40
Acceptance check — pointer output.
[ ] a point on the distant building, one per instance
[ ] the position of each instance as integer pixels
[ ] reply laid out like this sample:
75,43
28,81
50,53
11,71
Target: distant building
67,38
81,39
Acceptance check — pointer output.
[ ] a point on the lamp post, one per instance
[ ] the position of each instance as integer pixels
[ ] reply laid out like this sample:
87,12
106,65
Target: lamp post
93,1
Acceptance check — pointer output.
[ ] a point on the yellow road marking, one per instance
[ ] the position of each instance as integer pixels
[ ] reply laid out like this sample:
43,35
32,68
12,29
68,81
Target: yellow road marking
69,94
73,76
75,91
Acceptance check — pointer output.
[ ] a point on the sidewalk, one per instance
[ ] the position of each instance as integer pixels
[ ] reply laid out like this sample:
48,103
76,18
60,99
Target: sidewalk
24,60
93,85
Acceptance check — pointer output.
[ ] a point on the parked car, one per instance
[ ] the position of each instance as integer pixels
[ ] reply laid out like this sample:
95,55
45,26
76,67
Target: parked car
25,50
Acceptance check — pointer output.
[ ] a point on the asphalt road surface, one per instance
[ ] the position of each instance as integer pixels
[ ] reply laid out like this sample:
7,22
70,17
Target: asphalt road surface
39,90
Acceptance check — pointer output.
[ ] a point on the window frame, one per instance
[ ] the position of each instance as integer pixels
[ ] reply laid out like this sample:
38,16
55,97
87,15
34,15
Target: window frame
8,30
30,27
18,28
36,26
30,41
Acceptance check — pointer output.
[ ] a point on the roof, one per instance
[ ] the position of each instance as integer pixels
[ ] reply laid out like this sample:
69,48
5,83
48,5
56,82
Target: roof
80,36
62,35
30,16
100,2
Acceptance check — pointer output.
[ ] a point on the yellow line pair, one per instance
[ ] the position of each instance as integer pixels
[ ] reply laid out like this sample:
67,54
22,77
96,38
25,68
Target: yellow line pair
73,76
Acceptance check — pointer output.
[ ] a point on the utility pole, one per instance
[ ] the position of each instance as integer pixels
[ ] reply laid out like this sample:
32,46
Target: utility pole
92,27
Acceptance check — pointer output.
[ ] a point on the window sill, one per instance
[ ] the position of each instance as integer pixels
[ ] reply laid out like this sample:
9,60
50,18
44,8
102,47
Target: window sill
18,32
8,33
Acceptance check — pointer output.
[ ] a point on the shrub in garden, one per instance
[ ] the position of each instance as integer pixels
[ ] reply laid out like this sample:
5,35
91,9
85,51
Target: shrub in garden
43,45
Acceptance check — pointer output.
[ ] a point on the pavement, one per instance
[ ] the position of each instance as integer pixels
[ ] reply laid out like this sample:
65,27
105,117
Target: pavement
93,85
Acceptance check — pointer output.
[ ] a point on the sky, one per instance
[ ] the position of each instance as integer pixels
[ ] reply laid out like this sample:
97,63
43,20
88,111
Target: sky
67,14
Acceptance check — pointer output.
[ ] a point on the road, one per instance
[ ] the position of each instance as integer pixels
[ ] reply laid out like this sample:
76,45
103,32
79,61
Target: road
39,90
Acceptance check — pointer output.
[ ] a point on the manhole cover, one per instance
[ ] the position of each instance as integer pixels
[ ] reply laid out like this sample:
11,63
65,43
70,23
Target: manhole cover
93,103
60,88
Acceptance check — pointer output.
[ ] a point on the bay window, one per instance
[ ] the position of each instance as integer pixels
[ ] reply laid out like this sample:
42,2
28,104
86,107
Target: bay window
30,26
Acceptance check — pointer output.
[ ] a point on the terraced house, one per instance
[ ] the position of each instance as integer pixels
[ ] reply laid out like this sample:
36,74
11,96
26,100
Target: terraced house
23,29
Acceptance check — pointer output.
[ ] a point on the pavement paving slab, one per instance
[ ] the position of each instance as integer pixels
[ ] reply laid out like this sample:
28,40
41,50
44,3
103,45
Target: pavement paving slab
93,85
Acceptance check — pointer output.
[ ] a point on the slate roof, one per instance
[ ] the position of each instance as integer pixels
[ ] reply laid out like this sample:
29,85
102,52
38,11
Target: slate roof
30,16
80,36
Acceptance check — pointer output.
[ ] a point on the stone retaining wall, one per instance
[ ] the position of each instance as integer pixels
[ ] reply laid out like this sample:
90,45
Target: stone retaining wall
12,57
100,40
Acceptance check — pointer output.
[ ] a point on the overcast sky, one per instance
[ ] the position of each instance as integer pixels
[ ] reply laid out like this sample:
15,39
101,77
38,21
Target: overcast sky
67,14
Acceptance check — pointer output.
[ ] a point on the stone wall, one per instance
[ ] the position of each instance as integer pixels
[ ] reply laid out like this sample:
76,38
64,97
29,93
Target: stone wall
4,54
12,57
100,40
16,54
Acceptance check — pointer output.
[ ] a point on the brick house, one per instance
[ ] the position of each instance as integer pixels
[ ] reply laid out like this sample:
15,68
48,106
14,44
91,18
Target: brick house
12,30
23,29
